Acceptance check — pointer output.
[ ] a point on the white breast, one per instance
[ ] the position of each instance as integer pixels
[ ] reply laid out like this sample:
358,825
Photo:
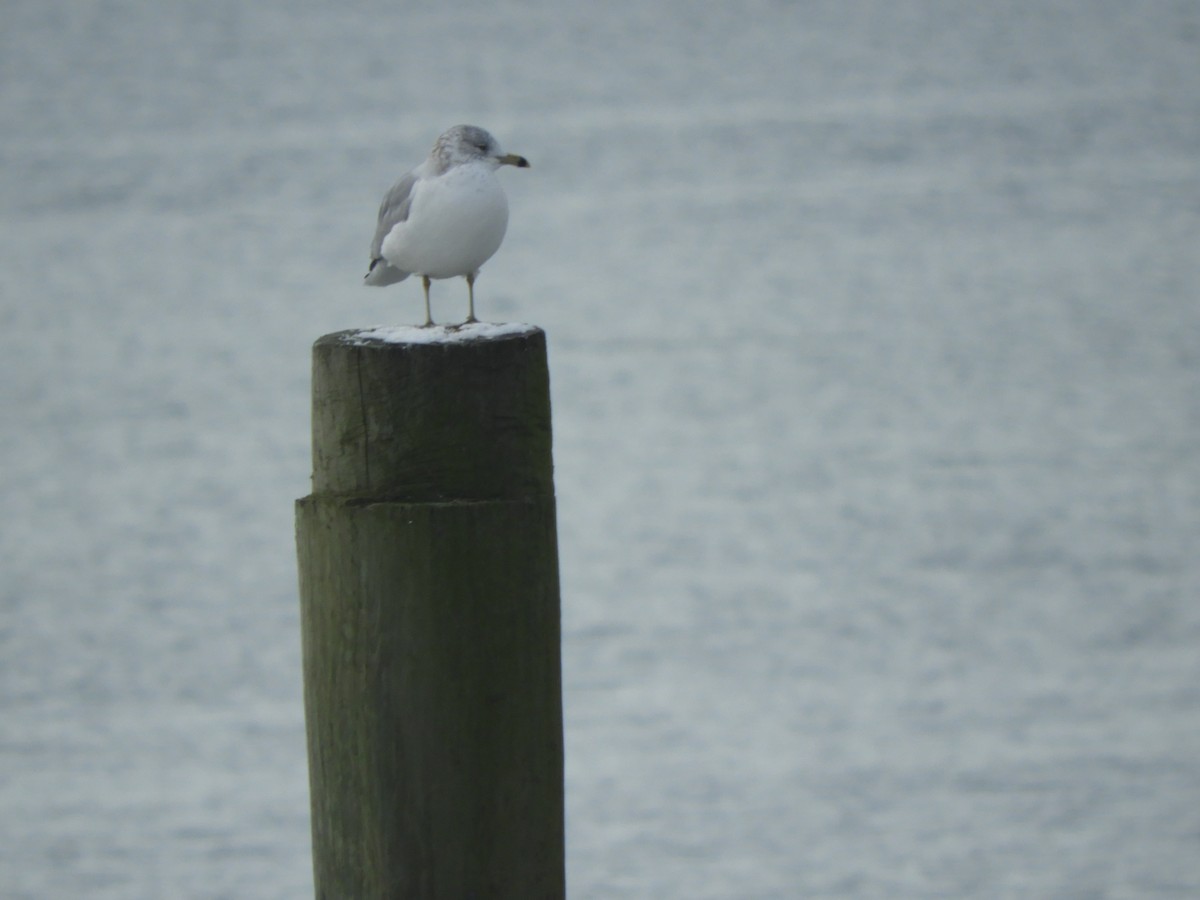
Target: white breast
455,224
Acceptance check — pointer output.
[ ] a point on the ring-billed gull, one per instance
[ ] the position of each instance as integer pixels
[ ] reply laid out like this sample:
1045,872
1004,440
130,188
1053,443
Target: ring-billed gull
446,217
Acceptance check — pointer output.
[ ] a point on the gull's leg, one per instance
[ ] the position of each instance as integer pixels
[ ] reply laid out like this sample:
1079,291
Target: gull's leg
471,299
428,315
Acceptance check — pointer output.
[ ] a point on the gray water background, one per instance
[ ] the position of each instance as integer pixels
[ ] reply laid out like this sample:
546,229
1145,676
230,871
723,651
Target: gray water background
875,348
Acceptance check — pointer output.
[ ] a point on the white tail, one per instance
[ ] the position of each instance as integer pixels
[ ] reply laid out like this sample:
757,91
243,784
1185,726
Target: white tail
382,274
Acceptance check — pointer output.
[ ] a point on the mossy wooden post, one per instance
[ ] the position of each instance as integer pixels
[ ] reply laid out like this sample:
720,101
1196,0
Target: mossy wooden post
430,620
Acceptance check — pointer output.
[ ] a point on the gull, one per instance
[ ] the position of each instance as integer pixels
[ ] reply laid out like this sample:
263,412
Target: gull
446,217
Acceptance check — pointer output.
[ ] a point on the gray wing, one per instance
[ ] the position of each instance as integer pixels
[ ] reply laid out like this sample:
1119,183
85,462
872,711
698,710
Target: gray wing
392,211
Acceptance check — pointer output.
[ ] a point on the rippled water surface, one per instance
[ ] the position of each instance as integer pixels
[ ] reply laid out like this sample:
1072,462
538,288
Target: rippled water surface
875,347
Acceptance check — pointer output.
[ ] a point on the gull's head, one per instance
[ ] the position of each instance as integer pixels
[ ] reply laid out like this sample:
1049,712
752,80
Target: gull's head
470,143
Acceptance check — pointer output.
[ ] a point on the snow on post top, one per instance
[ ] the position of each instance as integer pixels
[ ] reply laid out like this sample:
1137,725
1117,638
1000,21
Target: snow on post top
438,334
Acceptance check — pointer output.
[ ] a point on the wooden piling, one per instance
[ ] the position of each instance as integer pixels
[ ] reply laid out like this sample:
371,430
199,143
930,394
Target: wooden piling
430,620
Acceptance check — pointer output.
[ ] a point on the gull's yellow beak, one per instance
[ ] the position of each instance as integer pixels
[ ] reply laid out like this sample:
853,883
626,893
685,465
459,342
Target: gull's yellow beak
511,159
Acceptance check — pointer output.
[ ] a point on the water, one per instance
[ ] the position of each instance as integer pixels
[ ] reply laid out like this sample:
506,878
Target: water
874,335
